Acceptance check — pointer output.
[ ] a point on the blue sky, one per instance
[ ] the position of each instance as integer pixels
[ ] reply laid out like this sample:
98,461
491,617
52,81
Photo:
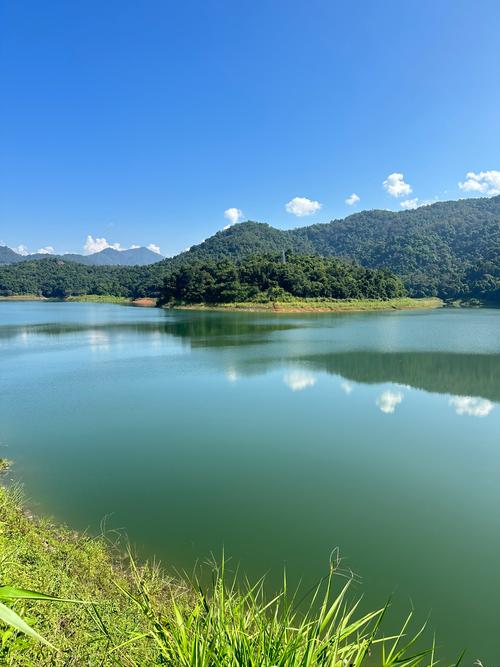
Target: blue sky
142,122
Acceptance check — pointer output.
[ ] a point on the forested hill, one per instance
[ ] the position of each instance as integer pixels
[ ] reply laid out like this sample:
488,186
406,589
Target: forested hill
449,249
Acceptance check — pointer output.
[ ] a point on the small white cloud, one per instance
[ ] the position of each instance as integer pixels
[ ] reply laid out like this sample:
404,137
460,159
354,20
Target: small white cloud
234,215
347,388
388,401
484,182
47,250
21,250
154,248
395,185
93,245
299,380
474,407
301,206
352,199
409,204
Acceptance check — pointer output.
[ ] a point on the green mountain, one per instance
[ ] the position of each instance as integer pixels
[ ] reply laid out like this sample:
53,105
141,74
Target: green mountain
449,249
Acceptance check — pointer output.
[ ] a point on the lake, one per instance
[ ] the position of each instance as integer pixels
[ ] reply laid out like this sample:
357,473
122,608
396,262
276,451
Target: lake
277,438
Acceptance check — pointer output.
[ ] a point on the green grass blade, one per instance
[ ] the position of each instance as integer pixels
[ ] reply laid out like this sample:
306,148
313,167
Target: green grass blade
10,617
12,593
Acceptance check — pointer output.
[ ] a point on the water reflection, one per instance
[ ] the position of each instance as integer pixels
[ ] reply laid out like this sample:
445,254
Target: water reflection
298,380
254,346
388,401
472,406
275,437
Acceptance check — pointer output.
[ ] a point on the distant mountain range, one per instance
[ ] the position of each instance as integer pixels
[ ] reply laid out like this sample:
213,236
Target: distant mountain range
107,257
448,249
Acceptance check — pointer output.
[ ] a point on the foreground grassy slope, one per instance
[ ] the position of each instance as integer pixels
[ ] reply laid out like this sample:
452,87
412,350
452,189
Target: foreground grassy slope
39,555
138,616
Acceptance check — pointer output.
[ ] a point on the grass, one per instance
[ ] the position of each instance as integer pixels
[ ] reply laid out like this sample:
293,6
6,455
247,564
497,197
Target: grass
39,555
99,298
135,616
321,305
290,306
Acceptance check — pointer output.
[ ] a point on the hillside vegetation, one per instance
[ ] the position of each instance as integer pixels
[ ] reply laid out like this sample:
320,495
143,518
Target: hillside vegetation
271,277
447,249
56,278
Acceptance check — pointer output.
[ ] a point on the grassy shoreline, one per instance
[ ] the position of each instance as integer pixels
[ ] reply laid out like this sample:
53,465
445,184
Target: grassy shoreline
116,612
144,302
289,306
319,306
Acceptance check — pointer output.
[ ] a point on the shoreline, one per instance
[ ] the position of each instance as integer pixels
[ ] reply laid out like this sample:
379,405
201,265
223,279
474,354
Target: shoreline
317,306
293,306
141,302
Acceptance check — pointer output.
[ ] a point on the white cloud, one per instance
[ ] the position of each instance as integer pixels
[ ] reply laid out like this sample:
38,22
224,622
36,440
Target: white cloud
299,380
347,388
97,244
395,185
352,199
484,182
301,206
409,204
47,250
154,248
234,215
21,249
388,401
474,407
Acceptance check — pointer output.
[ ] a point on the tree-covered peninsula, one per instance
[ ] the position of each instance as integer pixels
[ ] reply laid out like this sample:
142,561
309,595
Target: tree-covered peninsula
277,277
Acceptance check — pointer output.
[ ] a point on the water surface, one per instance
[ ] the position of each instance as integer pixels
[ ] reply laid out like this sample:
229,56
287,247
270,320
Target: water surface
279,437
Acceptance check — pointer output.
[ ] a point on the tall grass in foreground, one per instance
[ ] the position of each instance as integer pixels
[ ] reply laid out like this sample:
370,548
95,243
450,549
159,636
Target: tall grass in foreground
228,625
231,626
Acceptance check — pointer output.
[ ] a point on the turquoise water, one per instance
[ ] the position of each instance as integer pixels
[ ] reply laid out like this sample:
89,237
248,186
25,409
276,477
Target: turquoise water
277,437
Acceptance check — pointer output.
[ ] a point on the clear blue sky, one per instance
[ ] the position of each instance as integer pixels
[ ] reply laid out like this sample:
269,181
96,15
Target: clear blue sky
142,122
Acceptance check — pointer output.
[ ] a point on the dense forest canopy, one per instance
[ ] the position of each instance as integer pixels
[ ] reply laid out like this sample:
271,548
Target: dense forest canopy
277,276
55,278
448,249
